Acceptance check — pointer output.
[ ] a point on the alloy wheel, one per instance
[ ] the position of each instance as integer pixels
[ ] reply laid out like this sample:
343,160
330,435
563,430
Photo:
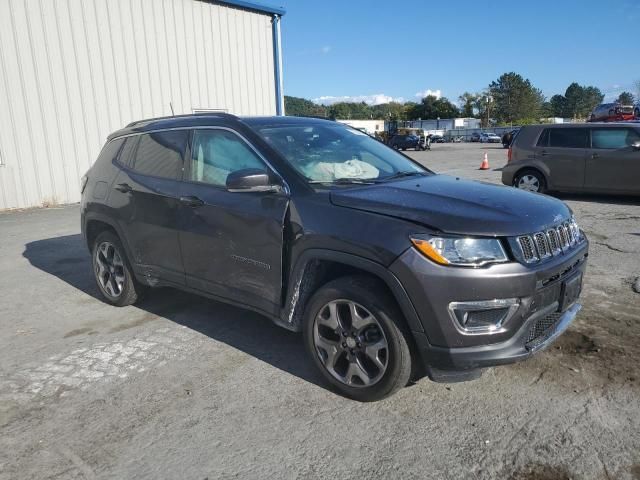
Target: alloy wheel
350,343
109,269
529,183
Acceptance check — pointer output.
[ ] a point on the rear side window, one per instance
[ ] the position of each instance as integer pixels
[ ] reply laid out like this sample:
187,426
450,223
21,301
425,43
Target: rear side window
568,137
126,154
613,138
160,154
543,141
110,151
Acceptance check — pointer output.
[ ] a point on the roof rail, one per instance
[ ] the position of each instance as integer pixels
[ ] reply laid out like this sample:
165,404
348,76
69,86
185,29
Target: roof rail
186,115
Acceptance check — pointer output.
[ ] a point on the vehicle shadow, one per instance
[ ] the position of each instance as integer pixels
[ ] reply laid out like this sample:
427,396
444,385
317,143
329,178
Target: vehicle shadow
67,258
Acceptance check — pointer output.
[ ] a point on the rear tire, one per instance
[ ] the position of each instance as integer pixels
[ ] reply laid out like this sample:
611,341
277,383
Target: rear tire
112,271
357,338
531,181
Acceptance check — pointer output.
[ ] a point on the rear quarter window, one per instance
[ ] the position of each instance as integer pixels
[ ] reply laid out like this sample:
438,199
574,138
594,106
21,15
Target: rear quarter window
110,151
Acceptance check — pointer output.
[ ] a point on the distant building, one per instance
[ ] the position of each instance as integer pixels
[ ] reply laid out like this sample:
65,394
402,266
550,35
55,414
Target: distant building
370,126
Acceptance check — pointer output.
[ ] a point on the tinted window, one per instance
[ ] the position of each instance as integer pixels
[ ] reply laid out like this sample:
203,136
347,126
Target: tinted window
568,137
543,141
612,138
110,150
126,154
160,154
217,153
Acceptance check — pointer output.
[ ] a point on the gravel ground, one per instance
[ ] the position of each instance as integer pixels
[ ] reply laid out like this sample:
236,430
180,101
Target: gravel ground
183,387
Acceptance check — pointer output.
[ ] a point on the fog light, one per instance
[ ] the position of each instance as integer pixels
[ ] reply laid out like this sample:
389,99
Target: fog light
483,317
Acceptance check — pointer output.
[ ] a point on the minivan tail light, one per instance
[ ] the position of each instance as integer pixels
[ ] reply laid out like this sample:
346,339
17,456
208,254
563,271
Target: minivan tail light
509,154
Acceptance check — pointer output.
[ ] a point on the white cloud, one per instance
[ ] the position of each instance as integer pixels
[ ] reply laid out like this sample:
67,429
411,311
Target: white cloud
375,99
326,49
428,92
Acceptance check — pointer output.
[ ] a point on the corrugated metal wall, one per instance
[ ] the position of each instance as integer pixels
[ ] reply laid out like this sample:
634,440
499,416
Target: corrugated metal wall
72,71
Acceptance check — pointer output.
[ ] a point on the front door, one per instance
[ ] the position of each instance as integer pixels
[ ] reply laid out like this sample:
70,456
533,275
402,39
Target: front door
231,242
614,164
564,152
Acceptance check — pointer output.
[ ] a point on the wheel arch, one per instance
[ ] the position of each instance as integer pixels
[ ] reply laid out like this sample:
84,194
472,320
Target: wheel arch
95,223
316,267
534,168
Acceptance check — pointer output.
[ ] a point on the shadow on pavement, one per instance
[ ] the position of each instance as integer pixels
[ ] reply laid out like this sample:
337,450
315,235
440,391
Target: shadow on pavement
599,198
68,259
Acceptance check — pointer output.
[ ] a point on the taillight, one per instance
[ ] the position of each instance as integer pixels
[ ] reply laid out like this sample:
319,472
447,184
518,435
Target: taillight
509,154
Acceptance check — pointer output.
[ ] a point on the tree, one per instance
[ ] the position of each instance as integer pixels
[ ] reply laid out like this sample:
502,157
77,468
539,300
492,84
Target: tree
468,102
389,111
625,98
581,100
431,107
350,111
558,106
515,99
301,107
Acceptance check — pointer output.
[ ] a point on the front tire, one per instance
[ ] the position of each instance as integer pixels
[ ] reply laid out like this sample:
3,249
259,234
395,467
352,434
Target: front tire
357,338
112,271
530,181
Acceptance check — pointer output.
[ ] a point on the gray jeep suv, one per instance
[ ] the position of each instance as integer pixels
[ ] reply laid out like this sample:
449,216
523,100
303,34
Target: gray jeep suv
389,270
593,157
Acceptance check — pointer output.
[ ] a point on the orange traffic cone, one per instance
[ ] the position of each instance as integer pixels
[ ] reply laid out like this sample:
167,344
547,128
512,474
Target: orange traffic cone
485,163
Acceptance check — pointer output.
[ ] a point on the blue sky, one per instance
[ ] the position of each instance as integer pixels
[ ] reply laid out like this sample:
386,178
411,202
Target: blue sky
396,49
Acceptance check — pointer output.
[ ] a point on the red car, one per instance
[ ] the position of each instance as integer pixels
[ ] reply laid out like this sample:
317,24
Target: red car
612,112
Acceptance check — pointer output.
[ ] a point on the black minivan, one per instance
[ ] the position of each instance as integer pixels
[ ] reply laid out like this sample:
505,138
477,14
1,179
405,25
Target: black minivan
390,271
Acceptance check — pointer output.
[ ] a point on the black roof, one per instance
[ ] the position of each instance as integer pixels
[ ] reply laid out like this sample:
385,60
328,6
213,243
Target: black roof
207,119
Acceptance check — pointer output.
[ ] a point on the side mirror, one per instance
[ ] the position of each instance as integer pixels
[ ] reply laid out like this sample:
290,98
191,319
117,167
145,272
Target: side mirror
251,180
636,145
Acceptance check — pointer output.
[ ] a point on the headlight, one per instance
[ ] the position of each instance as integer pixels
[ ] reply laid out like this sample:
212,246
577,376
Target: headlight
461,251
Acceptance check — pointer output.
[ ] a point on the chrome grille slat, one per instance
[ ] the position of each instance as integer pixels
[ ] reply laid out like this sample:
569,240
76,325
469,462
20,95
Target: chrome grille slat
549,243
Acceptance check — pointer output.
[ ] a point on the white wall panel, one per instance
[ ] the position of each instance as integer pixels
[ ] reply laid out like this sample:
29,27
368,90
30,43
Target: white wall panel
73,71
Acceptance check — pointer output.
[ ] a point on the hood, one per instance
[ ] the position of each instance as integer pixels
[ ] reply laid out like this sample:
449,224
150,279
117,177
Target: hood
451,205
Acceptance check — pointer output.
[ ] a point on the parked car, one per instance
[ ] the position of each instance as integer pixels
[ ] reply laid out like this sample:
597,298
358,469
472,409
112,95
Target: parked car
489,137
402,142
636,111
475,137
389,270
612,112
437,139
593,157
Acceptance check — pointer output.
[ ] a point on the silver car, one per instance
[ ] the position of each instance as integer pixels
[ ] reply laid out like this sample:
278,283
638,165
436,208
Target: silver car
593,157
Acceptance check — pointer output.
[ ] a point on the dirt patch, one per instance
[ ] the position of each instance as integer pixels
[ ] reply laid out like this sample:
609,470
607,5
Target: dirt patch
635,471
540,472
573,342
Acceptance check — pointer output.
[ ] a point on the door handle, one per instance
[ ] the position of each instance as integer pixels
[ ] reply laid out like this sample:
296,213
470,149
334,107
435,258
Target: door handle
124,188
191,201
594,155
544,154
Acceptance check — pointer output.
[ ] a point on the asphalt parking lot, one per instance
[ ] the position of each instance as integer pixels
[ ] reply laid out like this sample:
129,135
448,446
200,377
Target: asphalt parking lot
183,387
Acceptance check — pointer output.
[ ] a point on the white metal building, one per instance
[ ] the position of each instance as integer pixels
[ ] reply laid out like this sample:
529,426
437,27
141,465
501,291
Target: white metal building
72,71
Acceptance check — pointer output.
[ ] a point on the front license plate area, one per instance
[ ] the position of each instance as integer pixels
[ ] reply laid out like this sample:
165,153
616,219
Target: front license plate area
571,289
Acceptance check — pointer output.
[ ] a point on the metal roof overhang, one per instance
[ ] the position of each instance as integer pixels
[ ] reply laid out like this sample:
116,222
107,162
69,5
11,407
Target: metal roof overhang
256,7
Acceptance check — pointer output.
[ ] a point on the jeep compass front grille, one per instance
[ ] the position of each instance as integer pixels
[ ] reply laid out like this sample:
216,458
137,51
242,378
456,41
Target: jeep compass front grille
552,242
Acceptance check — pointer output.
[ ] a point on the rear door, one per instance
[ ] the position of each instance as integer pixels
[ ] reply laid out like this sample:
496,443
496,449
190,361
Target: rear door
231,241
564,152
613,164
145,195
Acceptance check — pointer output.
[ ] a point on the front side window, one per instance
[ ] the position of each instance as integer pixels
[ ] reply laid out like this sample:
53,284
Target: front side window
613,138
160,154
328,153
217,153
568,137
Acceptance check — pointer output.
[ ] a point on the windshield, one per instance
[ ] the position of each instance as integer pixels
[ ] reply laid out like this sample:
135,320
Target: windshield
330,153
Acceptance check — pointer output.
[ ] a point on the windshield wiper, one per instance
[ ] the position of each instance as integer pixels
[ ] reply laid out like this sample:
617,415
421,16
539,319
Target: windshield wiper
346,181
403,174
